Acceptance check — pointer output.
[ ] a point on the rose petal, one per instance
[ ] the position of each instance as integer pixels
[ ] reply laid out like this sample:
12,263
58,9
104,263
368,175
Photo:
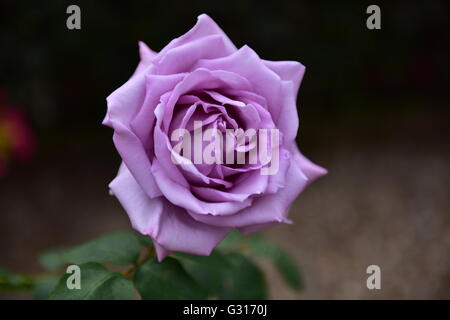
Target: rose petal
288,71
181,196
259,227
179,232
203,79
224,99
161,252
204,27
183,57
147,55
171,227
311,170
287,121
142,124
270,208
164,154
246,63
143,211
123,104
249,184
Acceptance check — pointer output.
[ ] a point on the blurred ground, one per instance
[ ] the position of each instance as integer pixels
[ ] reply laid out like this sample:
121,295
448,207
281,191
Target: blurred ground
388,207
384,202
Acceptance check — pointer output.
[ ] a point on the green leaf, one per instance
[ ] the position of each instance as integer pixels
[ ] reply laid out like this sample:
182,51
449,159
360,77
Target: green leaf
288,270
145,240
210,272
52,260
284,263
225,276
245,280
43,287
166,280
120,248
14,281
231,242
97,283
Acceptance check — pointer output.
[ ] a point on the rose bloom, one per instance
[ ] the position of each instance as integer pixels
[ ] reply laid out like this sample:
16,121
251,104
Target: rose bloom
202,76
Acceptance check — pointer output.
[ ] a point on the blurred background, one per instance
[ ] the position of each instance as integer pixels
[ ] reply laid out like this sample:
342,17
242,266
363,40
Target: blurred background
374,110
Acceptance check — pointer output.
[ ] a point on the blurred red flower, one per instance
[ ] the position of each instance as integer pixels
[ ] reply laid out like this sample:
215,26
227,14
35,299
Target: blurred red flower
17,140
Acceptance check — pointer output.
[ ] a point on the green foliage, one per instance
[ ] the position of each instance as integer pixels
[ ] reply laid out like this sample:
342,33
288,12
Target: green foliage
145,240
210,272
43,287
166,280
228,273
232,241
52,260
14,281
256,245
283,261
226,276
120,248
97,283
246,280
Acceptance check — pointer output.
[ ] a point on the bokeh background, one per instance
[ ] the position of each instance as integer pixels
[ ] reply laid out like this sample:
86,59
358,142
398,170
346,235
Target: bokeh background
374,108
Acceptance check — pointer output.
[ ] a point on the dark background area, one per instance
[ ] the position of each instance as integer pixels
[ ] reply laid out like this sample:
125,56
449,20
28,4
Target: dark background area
374,110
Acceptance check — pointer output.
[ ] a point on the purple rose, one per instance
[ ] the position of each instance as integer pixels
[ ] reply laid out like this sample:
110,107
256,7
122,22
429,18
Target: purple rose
201,77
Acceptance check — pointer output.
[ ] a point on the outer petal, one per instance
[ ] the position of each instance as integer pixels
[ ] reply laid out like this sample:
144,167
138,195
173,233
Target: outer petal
143,211
143,122
312,171
170,226
179,232
125,102
181,58
204,27
278,180
291,72
161,252
288,71
258,227
287,120
270,208
123,105
133,154
147,55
